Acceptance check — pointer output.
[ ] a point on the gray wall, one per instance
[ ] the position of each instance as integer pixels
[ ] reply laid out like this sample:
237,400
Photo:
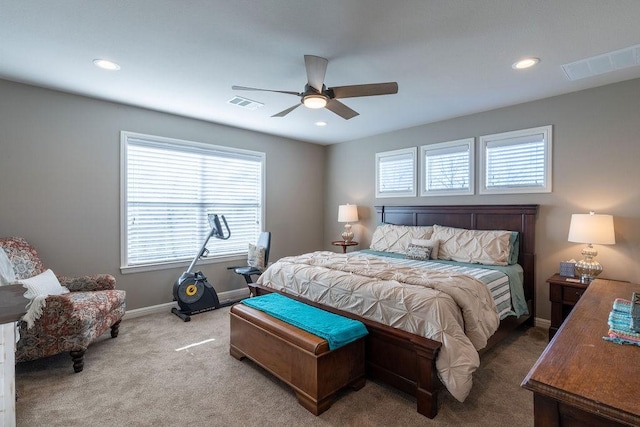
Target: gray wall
596,157
60,184
59,180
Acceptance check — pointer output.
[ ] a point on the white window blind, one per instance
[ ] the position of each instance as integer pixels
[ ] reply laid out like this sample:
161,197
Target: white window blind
170,187
396,173
517,162
447,168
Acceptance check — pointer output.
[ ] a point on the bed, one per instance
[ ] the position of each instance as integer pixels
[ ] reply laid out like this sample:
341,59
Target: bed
401,356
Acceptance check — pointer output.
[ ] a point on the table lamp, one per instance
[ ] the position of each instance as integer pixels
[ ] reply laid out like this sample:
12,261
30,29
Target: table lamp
347,213
591,228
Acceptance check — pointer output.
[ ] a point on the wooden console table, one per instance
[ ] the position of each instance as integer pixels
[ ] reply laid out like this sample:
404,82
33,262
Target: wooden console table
581,379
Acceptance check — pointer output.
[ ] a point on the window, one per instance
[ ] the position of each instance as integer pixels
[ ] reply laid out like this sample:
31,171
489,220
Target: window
168,188
396,173
446,168
516,162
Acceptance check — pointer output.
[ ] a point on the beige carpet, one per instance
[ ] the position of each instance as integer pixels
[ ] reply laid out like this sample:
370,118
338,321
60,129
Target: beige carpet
139,379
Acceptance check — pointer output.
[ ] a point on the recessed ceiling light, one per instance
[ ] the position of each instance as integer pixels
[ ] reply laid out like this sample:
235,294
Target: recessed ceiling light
106,64
320,124
525,63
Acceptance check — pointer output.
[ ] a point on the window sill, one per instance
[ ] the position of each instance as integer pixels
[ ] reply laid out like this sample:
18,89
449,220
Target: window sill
181,264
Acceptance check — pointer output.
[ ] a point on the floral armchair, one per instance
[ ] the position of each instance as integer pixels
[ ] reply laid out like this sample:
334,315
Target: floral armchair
71,321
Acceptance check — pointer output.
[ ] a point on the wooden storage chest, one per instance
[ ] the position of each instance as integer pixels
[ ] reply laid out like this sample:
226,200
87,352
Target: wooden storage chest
300,359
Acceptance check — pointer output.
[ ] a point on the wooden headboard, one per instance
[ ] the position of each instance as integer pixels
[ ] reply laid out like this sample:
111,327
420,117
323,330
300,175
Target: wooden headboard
520,218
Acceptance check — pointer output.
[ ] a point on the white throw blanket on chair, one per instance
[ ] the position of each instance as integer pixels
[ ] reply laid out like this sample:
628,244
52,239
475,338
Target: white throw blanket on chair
7,275
38,288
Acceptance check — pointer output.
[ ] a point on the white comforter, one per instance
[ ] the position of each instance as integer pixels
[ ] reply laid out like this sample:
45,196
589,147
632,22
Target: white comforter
454,309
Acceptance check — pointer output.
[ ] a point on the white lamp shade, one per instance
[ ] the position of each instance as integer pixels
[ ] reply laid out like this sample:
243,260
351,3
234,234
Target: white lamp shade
347,213
592,228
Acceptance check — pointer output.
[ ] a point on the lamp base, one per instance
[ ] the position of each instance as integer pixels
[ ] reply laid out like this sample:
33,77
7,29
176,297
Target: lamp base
588,268
347,234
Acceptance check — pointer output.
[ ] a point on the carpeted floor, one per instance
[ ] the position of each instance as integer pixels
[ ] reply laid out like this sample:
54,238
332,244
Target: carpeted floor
139,379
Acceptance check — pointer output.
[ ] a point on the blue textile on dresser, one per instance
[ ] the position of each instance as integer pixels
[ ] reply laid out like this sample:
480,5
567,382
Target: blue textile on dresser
620,330
337,330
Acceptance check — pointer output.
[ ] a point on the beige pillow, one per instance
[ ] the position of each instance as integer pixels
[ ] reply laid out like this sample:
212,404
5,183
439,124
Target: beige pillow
255,257
430,243
490,247
396,238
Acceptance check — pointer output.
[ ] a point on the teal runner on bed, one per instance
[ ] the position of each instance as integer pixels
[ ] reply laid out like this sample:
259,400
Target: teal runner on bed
337,330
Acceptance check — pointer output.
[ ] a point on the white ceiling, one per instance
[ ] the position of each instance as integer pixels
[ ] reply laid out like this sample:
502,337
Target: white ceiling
449,57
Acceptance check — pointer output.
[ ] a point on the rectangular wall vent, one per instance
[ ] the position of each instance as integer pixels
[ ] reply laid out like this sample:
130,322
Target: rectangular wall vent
604,63
245,103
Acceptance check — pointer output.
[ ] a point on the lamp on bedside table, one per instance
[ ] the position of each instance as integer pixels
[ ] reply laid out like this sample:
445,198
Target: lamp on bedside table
591,228
347,213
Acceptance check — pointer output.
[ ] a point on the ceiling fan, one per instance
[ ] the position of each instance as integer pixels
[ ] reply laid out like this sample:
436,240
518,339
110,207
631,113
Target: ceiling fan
317,95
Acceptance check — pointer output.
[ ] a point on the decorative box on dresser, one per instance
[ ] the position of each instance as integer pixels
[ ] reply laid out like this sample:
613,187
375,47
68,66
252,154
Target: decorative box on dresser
12,308
564,293
581,379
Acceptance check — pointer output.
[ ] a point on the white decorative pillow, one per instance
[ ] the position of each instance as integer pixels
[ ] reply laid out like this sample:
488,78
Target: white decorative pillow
430,243
396,238
490,247
418,252
43,284
256,256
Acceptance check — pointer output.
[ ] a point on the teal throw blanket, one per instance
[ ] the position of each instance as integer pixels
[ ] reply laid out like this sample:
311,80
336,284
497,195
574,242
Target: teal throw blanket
337,330
620,320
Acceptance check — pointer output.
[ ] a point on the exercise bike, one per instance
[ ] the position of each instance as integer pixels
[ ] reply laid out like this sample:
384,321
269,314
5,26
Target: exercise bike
192,291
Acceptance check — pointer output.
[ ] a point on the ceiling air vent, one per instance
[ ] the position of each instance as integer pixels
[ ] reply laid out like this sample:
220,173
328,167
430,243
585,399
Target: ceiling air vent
245,103
604,63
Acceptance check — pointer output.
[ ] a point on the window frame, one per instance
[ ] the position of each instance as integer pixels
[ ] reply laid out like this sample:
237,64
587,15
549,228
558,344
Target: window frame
485,140
211,259
470,144
381,156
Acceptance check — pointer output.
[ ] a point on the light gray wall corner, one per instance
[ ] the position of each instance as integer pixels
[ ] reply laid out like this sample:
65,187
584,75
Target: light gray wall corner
596,149
60,184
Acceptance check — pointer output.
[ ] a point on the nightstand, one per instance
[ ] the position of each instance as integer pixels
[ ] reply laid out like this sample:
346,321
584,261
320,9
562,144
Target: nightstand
344,244
564,293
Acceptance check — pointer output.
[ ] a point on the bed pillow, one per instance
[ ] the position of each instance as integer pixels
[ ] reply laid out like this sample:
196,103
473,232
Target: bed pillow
255,257
43,284
418,252
489,247
514,247
396,238
430,243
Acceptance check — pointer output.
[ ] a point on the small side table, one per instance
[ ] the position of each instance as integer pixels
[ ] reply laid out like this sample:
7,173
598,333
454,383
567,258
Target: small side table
344,244
564,293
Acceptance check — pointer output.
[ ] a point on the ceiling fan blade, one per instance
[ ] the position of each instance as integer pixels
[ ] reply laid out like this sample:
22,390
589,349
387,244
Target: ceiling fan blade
340,109
316,70
287,111
266,90
364,90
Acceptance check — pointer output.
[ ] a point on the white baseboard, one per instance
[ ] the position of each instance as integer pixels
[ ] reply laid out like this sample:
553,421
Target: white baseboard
223,297
542,323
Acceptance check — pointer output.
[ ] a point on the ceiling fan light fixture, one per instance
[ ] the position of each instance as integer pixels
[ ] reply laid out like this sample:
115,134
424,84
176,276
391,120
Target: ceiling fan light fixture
315,101
317,95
